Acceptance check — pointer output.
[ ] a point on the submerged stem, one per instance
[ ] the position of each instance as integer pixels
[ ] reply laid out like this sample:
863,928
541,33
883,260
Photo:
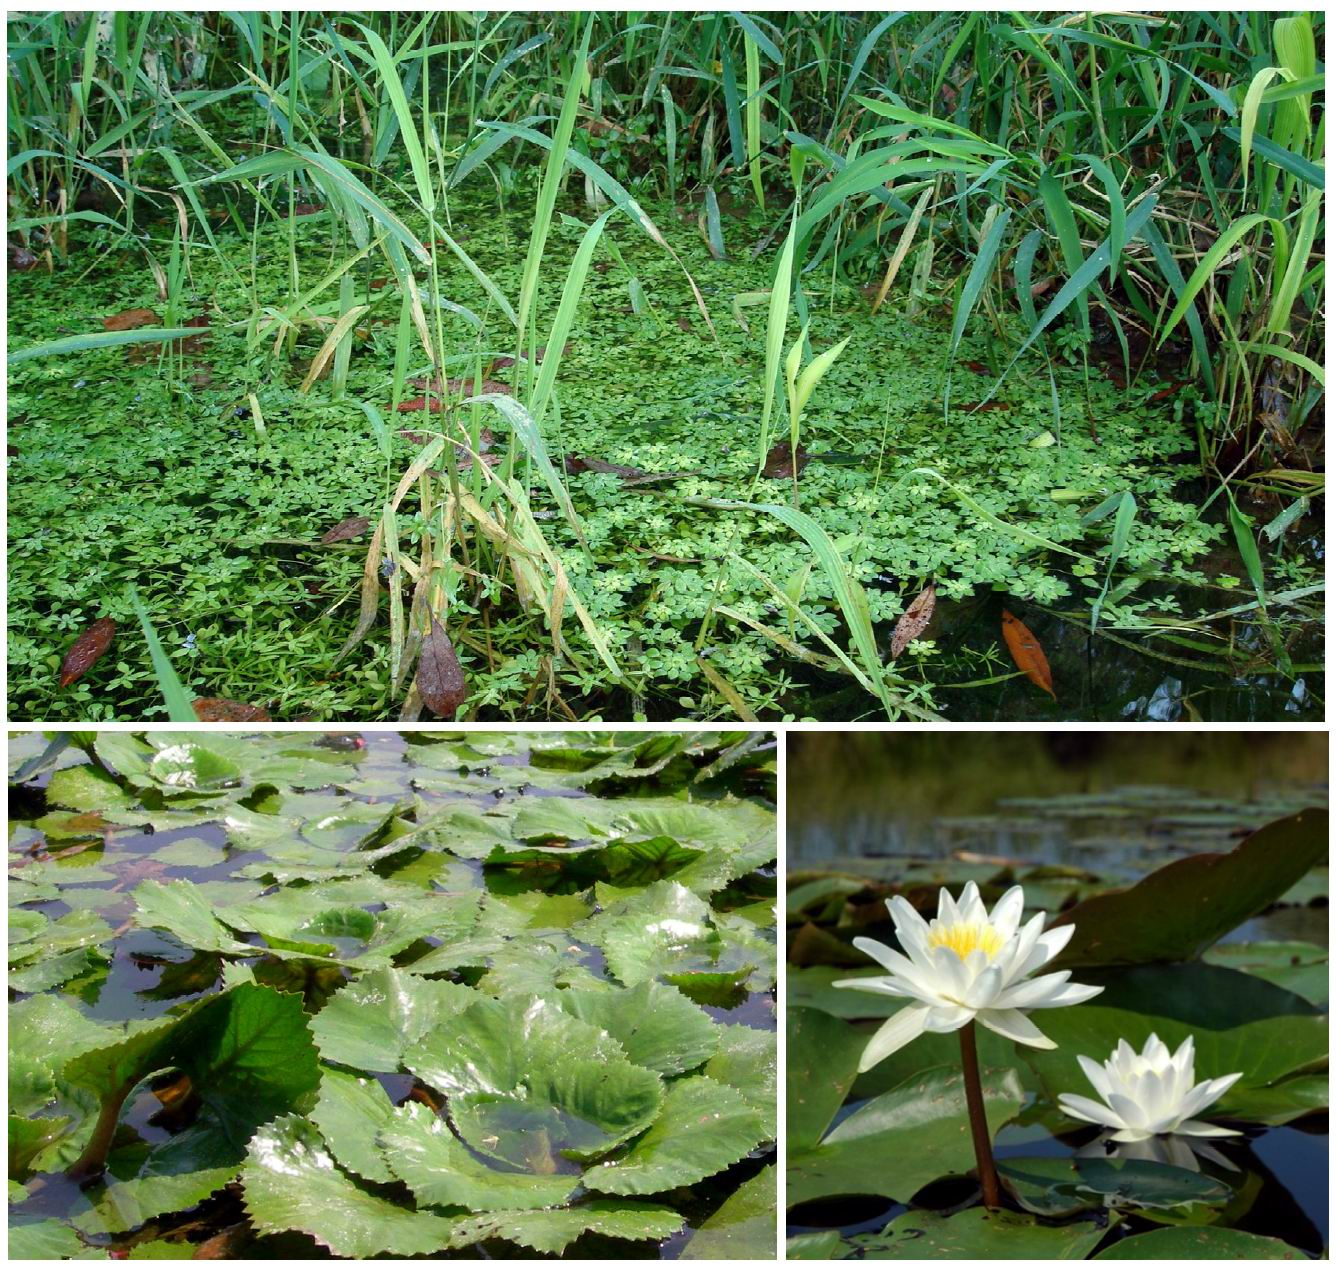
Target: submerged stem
983,1148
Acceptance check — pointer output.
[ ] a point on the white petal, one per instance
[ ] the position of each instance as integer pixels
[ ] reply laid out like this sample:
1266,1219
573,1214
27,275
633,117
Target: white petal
1022,949
1028,993
1006,916
984,989
1193,1127
1054,940
1129,1110
947,911
946,1020
1088,1110
971,907
905,1026
873,985
949,975
904,917
1155,1052
1094,1071
1130,1135
1071,994
892,960
1015,1025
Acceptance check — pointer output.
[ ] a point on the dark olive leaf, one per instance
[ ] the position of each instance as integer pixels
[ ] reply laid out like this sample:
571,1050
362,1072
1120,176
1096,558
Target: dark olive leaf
440,679
86,650
1179,910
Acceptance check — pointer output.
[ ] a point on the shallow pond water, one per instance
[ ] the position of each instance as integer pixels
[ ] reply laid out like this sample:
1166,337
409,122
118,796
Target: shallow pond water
332,796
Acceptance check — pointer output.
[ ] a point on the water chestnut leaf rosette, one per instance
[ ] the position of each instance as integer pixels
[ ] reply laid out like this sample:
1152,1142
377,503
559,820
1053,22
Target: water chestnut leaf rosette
965,965
469,994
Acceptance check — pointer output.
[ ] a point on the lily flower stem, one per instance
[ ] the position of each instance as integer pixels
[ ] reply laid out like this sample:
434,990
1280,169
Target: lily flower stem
983,1149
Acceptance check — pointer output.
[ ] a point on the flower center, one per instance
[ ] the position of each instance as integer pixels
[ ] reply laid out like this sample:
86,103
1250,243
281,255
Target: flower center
963,938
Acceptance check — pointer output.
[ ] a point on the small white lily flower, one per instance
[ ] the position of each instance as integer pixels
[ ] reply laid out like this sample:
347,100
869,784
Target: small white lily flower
966,965
1148,1094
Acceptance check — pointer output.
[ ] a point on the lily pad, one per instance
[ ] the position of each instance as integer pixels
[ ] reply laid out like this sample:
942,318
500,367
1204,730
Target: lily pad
823,1057
1057,1186
1189,1243
743,1227
1178,911
902,1140
978,1234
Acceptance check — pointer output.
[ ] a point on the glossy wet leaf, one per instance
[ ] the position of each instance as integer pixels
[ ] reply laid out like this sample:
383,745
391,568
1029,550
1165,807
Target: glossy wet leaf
372,1021
704,1127
291,1183
656,1026
421,1149
551,1231
978,1234
83,787
823,1057
1208,894
1298,966
86,650
1188,1243
743,1227
351,1112
746,1061
1057,1186
895,1144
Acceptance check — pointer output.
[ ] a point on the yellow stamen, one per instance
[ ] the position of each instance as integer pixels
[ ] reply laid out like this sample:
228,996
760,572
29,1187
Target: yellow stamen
963,938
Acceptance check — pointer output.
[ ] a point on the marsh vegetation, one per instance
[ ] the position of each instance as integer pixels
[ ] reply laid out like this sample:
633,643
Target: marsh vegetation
666,365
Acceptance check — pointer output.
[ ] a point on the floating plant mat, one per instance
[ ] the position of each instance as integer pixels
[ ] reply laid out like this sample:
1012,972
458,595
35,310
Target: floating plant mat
463,994
908,485
879,1162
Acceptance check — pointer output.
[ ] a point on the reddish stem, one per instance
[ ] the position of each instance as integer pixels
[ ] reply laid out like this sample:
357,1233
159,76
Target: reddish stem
983,1148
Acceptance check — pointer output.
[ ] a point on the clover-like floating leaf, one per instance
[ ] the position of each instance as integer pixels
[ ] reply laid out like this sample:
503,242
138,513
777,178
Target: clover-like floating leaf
372,1021
655,1025
190,766
978,1234
551,1231
350,1113
1187,1244
743,1227
291,1183
1206,895
901,1140
424,1153
705,1127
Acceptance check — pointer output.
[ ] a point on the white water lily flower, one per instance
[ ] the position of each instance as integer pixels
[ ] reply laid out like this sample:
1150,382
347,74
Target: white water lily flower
966,965
1147,1094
